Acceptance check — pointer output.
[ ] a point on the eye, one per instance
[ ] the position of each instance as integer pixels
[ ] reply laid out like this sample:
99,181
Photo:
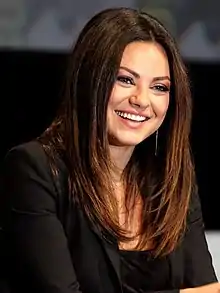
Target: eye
125,80
160,88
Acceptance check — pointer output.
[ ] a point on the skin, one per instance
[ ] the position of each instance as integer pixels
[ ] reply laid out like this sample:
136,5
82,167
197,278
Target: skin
142,88
211,288
144,92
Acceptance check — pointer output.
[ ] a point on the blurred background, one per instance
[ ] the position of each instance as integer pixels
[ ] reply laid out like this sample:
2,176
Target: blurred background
35,39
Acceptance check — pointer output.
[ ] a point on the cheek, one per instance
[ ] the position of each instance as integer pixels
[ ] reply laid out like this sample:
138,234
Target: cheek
112,96
118,95
161,106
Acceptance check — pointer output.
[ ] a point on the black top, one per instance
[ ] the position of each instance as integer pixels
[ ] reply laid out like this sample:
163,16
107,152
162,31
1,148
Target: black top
55,249
140,272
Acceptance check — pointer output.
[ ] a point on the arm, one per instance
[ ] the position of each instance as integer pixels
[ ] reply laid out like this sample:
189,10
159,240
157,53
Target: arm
198,266
39,247
199,272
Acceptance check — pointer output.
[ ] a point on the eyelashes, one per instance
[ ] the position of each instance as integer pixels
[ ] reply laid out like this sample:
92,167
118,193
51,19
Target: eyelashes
125,80
129,81
160,88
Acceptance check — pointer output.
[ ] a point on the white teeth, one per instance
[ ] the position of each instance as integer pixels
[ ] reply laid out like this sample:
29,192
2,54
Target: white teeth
132,117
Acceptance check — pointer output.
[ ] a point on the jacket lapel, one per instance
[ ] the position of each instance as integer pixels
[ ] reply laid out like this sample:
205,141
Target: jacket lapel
111,249
113,254
176,267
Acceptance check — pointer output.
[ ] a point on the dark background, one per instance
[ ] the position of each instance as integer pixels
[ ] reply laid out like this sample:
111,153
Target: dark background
31,84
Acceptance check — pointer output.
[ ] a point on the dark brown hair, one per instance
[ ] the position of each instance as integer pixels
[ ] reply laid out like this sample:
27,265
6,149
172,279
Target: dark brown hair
78,133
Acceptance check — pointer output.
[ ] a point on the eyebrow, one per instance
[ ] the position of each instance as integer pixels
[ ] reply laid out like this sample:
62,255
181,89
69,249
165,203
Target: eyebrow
137,75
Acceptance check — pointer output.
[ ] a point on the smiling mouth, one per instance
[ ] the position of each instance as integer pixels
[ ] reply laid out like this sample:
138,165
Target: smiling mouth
132,117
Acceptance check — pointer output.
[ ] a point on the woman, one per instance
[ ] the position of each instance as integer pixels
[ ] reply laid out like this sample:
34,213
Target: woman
105,200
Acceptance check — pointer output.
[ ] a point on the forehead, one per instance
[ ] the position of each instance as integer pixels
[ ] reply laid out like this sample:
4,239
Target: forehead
146,58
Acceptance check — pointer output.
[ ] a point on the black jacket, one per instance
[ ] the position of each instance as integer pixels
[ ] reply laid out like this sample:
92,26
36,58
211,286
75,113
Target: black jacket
55,249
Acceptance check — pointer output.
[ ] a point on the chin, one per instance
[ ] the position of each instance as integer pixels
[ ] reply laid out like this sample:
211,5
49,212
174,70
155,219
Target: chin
128,141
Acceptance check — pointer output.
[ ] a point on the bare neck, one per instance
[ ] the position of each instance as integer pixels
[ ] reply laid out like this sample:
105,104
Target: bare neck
120,157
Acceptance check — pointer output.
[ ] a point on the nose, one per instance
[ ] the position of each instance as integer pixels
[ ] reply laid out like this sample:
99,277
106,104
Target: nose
140,99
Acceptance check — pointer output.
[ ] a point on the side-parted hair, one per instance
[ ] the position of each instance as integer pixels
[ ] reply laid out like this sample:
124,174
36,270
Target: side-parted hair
79,133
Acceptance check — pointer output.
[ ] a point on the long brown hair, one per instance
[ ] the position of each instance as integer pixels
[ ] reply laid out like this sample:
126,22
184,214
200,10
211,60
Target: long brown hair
165,181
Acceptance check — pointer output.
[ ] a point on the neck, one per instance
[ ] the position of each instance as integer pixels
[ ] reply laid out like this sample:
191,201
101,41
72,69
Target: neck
119,157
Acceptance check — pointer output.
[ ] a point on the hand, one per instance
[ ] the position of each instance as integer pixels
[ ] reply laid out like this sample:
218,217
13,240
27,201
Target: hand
211,288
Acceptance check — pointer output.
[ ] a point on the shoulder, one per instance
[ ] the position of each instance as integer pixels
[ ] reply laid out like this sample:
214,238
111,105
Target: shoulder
27,179
24,168
29,158
195,209
26,154
31,152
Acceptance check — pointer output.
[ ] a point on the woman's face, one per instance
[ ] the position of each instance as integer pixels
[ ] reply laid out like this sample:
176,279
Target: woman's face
140,96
